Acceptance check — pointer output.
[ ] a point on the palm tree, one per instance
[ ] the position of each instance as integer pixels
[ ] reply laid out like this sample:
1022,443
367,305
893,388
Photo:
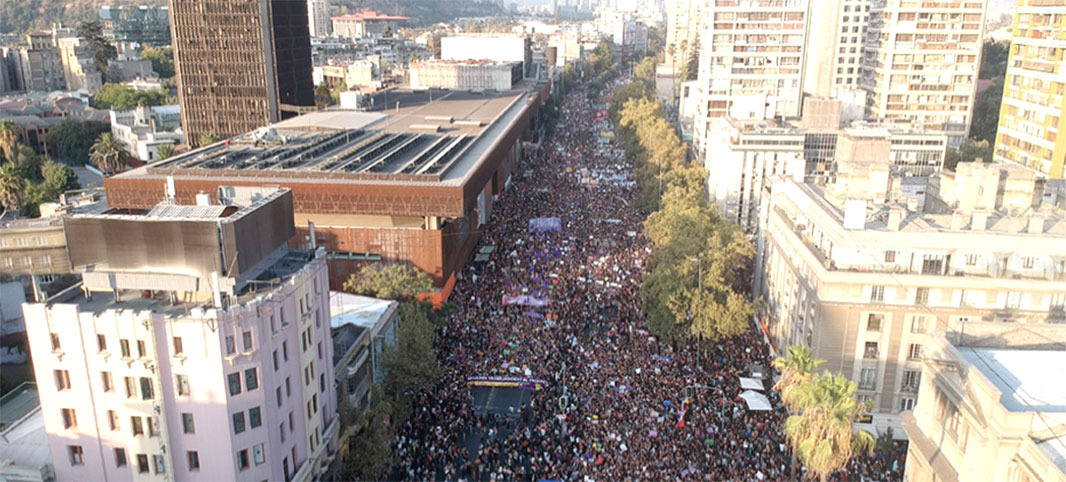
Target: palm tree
209,138
822,435
795,369
164,151
11,188
108,153
9,140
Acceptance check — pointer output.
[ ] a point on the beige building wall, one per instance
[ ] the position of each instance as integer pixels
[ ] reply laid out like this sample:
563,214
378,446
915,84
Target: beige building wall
866,299
972,424
683,24
834,50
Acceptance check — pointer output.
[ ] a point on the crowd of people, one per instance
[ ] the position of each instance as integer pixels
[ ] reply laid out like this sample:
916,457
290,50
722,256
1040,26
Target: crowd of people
559,301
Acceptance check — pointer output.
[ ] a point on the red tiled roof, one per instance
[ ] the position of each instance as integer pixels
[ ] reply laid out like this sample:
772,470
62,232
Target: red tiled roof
370,15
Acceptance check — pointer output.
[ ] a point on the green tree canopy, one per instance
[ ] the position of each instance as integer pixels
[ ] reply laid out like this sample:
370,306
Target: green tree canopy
411,363
994,57
12,188
821,434
970,150
209,138
58,178
162,61
323,96
389,281
28,166
9,140
796,368
102,50
72,139
986,113
120,96
164,151
109,154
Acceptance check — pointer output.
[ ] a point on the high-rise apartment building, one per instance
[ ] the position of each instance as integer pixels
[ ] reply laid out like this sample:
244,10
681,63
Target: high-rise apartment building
37,66
141,24
318,18
79,67
1032,118
921,62
834,52
751,59
683,23
197,346
863,271
241,65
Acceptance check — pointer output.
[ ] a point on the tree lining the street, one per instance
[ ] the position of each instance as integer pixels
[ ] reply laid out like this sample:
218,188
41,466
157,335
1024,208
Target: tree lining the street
698,277
409,362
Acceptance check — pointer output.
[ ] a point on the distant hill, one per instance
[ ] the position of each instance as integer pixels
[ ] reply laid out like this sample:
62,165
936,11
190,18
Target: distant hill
20,16
425,12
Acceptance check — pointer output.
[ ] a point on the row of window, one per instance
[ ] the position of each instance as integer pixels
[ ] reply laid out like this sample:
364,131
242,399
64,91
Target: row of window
147,392
911,380
871,351
875,321
77,457
251,381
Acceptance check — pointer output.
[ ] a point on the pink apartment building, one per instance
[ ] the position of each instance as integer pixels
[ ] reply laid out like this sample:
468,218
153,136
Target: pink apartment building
197,346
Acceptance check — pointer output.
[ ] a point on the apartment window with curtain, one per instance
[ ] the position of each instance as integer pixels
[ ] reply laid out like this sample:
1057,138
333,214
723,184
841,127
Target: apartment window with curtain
77,455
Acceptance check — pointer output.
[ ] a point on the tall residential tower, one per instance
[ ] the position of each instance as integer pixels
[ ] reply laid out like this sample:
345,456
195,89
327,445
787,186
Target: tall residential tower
751,58
1032,118
683,23
241,64
921,62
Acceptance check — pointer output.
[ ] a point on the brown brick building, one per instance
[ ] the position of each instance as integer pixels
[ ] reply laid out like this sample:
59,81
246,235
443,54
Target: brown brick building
412,185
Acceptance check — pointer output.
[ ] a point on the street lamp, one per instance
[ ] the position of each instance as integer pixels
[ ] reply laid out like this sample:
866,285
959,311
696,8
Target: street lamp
699,271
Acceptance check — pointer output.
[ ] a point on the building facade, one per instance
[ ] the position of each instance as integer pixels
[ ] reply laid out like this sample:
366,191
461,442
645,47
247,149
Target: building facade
465,75
149,374
367,23
37,65
683,24
240,66
865,285
740,156
835,51
79,67
752,57
990,407
921,62
1033,112
147,25
144,130
318,18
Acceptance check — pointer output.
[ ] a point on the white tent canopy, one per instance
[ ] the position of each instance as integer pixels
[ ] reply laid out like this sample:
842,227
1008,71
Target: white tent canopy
756,400
751,384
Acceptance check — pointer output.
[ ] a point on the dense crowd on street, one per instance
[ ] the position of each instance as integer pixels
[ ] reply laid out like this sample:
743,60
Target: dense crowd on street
561,303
